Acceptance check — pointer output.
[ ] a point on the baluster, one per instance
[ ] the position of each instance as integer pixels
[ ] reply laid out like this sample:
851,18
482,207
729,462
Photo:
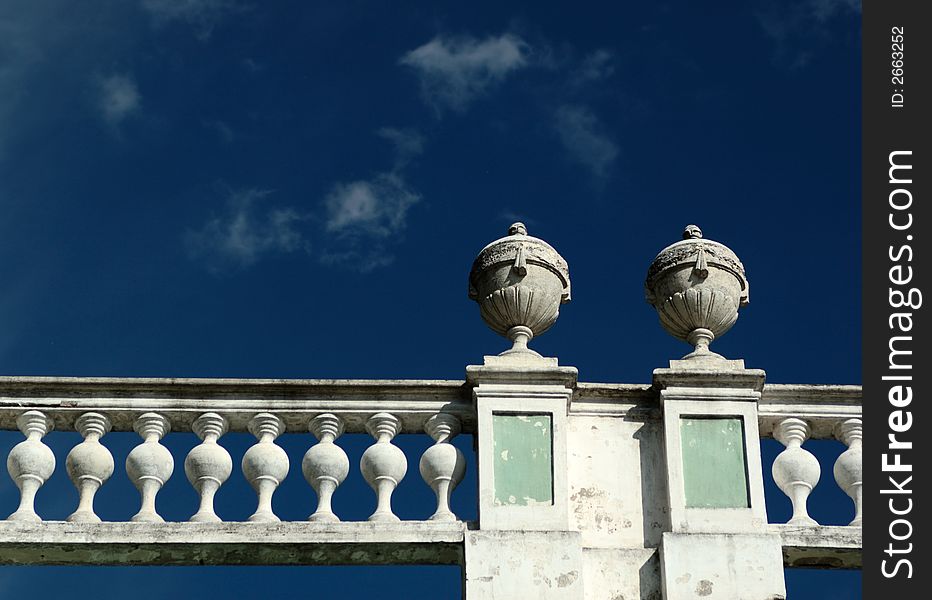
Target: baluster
89,465
30,463
443,465
325,464
208,465
383,464
150,464
265,464
848,466
796,471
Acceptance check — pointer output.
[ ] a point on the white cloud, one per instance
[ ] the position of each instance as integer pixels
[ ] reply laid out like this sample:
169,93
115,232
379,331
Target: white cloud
455,71
245,232
119,98
584,138
408,143
376,207
202,15
364,217
798,27
594,67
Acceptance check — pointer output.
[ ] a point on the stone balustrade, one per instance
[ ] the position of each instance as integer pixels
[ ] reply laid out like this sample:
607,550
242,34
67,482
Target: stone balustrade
154,408
793,415
321,412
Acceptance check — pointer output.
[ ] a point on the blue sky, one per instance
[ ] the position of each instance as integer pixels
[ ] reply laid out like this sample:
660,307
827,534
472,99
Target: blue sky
226,188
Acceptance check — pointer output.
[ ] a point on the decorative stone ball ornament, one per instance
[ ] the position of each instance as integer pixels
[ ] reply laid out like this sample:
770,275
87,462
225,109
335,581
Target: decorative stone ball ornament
519,282
697,287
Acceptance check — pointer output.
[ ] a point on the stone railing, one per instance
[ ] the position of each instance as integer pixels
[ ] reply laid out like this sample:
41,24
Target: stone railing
792,415
154,408
321,410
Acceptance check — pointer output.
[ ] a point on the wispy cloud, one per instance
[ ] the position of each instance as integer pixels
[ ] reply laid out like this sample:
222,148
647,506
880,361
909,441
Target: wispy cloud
355,227
409,144
223,130
375,207
118,98
585,140
596,66
825,9
245,232
797,27
454,71
202,15
364,216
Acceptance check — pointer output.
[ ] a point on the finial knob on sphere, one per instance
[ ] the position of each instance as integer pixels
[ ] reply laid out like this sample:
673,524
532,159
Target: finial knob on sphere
519,282
697,287
517,229
692,232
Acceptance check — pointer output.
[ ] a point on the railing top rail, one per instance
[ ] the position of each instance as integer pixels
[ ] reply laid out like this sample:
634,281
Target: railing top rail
822,406
181,400
181,387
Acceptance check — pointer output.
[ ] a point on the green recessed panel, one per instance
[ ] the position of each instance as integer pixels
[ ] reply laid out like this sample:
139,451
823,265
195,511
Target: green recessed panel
714,471
523,459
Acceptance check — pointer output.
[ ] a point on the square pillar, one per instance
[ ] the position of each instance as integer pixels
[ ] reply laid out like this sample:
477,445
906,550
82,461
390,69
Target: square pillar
521,409
717,545
523,547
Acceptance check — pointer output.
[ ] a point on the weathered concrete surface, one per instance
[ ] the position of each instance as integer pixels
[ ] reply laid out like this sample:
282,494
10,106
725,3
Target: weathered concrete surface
622,574
616,482
241,543
700,566
536,565
824,547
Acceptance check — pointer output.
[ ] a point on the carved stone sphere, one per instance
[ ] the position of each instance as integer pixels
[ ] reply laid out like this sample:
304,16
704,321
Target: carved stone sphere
519,282
697,287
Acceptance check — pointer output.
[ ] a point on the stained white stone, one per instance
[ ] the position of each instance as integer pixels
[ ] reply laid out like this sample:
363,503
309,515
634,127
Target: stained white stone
443,465
149,465
697,286
519,282
89,465
265,465
848,471
796,471
537,565
30,463
325,464
208,465
722,567
383,464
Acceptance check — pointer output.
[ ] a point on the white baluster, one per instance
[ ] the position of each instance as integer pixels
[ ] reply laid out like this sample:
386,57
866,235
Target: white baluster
265,464
443,465
150,464
848,471
208,465
383,464
325,464
796,471
30,463
89,465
